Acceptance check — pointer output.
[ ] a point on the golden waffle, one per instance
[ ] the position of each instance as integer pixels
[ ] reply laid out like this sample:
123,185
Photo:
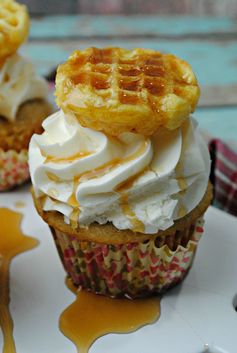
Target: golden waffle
14,26
116,90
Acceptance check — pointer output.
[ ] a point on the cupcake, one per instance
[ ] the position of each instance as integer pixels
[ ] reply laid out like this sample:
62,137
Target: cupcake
23,104
120,173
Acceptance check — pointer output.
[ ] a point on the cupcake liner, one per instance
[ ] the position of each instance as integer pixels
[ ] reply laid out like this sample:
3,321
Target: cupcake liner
132,269
13,168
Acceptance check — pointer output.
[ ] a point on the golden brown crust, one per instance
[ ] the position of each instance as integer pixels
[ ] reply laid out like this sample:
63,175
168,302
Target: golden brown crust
16,135
108,234
116,90
14,26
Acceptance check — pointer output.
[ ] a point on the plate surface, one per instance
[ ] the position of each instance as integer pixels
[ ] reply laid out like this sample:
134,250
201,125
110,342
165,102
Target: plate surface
194,314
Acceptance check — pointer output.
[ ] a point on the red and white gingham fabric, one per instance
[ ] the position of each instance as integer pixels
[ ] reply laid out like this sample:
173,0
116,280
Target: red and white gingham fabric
224,175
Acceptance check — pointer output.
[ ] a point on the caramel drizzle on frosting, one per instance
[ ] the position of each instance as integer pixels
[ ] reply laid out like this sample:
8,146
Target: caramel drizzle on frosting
182,211
100,171
97,172
137,225
127,184
74,217
70,159
53,177
182,184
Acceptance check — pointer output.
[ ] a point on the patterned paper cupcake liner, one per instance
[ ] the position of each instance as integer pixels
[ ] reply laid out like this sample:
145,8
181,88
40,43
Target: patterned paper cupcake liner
13,168
132,269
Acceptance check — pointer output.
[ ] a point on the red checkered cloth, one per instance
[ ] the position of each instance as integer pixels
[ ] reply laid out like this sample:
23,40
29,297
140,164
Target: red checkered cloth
224,175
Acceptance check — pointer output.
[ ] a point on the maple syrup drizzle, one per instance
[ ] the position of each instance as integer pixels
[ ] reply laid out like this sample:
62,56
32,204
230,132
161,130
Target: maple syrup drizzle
112,164
74,218
137,225
127,184
53,177
98,172
12,243
182,184
90,316
182,211
72,200
70,159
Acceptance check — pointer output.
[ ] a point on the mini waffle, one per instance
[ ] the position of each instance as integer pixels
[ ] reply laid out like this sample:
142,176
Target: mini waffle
117,90
14,26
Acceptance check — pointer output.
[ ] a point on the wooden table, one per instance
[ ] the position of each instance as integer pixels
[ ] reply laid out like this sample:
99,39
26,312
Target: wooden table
208,44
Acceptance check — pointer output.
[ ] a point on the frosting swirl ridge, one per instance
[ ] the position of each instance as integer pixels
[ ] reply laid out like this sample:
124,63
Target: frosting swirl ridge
135,182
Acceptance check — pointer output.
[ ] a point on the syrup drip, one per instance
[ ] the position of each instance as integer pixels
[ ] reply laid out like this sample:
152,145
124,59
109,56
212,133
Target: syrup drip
137,225
90,316
182,184
127,184
53,177
12,243
114,163
74,218
182,211
70,159
100,171
72,201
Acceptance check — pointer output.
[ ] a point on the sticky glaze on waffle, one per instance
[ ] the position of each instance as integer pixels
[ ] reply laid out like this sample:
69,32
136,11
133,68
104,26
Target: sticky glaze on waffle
116,90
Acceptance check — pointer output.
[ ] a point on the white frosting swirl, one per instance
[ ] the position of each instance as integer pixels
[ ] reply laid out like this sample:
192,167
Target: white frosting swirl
136,183
18,84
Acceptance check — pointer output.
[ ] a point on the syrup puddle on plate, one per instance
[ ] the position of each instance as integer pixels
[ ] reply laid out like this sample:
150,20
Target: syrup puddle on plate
91,316
12,243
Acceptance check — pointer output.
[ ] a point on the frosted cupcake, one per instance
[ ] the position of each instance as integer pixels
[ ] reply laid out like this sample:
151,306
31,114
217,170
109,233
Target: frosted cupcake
120,174
23,104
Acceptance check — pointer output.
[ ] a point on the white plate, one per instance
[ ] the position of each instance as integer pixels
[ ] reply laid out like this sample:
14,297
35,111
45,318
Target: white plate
198,312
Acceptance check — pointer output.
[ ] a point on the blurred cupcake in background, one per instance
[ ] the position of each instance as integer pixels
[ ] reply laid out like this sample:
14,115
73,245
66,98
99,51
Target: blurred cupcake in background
23,97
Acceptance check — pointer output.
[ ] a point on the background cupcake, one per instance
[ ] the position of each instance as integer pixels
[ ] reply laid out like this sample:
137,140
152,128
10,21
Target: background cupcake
124,198
23,104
